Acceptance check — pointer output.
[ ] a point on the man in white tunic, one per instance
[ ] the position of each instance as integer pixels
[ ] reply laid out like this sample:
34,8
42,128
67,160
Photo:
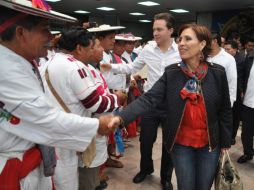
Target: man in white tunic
26,116
115,82
75,82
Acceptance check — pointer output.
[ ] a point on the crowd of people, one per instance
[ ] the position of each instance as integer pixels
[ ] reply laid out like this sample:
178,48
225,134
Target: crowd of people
70,102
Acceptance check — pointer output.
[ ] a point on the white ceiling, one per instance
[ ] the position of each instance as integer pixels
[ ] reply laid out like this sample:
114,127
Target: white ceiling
124,7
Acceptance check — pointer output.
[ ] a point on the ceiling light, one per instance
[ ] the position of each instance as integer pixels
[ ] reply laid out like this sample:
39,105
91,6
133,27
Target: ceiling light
105,8
148,3
53,1
137,14
145,21
179,11
55,32
81,12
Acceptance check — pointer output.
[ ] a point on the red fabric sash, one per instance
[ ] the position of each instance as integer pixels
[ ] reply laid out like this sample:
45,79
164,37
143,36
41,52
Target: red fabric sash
15,169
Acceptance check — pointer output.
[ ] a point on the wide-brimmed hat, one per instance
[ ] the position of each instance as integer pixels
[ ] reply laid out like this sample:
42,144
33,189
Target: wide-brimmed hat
37,8
105,27
121,37
137,38
128,37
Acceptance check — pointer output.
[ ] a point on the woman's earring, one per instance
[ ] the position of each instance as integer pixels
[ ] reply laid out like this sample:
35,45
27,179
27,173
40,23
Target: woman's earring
201,56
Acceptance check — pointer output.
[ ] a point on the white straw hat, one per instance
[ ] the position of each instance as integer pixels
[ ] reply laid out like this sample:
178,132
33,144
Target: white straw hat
105,27
37,8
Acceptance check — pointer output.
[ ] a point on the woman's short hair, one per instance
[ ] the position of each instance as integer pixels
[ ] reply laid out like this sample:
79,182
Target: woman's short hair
74,36
202,33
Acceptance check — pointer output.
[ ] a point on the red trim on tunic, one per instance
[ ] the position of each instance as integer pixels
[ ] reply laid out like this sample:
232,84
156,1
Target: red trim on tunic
103,105
91,100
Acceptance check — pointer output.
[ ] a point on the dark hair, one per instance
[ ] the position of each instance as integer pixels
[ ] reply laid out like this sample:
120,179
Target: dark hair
167,17
216,36
120,42
248,40
74,36
233,44
106,33
28,22
202,33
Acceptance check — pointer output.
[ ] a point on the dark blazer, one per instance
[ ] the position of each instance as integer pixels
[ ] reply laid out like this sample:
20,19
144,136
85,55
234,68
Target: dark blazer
166,92
239,59
247,67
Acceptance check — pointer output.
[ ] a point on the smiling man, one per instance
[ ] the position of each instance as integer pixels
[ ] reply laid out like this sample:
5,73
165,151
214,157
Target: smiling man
157,55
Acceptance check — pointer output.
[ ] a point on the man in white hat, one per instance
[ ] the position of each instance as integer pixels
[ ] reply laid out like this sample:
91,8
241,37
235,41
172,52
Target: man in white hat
115,82
128,54
26,116
106,35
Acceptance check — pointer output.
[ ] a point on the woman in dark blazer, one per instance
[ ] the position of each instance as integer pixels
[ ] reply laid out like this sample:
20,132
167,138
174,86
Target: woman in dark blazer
199,119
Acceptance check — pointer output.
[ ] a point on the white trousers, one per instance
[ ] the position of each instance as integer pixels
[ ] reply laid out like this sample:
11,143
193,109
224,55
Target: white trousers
36,180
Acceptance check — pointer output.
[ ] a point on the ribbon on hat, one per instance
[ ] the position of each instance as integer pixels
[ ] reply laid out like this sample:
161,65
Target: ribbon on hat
41,4
8,23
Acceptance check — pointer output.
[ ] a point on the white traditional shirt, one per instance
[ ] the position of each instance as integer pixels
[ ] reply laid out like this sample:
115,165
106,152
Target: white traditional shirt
154,58
127,56
102,148
228,62
249,94
114,81
37,121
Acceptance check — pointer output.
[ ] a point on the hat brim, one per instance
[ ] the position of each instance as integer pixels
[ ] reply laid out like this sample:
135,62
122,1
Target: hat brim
111,28
138,38
53,15
119,38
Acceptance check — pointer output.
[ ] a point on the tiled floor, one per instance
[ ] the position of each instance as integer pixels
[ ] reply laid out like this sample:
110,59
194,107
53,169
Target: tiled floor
121,179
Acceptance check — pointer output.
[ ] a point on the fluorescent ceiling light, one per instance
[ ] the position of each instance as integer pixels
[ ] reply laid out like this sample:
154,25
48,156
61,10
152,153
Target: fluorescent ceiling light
137,14
105,8
53,1
179,11
148,3
55,32
145,21
81,12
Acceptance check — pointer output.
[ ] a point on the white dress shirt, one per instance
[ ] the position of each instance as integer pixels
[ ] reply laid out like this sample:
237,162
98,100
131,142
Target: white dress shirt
249,94
154,58
228,62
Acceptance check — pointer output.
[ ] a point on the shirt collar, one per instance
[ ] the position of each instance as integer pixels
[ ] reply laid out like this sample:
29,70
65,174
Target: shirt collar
174,46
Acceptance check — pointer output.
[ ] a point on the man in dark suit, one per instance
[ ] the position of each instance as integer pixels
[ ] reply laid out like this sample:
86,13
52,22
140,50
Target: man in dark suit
232,48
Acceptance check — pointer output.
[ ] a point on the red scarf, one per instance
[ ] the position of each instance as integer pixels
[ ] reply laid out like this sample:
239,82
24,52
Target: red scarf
192,88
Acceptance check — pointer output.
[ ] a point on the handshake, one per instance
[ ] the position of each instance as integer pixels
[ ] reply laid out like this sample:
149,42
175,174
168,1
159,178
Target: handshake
108,123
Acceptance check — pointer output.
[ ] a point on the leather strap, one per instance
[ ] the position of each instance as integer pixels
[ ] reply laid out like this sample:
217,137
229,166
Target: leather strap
58,98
